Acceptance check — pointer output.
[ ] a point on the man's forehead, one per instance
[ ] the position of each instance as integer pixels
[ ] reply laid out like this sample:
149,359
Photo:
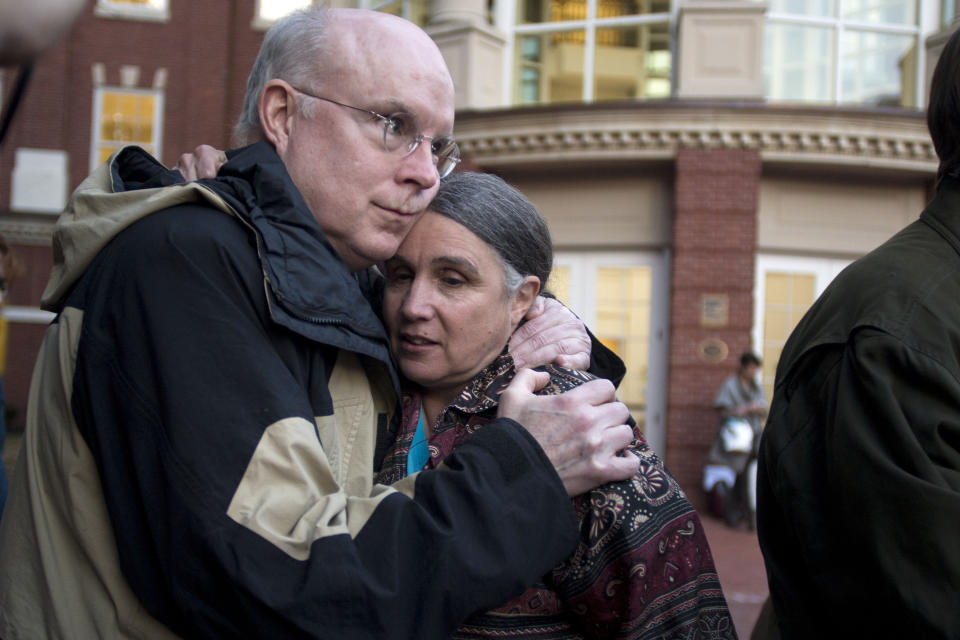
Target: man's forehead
378,46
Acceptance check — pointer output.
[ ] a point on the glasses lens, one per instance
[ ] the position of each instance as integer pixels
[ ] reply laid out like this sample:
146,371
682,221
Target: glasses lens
447,153
400,131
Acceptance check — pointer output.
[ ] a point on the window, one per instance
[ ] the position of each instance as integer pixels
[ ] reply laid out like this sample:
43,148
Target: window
269,11
844,51
785,289
122,117
134,9
623,299
589,50
416,11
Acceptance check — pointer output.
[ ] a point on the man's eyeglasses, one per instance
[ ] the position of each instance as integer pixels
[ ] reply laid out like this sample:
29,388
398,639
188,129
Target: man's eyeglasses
401,133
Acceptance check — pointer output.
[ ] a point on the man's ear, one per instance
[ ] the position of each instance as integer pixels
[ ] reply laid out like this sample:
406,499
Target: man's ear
277,107
525,296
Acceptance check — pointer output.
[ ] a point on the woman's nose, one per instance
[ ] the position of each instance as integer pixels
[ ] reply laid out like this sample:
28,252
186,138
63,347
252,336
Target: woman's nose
417,304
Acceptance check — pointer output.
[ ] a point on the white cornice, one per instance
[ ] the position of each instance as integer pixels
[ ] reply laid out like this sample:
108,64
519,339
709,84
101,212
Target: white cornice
28,229
586,134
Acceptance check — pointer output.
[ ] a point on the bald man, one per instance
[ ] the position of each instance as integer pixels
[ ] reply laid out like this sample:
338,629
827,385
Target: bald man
211,402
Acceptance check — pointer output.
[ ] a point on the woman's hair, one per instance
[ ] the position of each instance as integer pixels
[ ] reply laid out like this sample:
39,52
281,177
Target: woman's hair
749,358
503,218
943,111
292,50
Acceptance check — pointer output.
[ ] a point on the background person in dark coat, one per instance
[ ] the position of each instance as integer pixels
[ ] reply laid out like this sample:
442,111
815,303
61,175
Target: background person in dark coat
859,478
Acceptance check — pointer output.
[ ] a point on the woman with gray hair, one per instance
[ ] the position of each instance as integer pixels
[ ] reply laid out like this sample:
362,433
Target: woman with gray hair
458,286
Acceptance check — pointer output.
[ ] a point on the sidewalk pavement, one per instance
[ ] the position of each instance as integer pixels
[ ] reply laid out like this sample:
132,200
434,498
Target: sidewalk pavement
736,553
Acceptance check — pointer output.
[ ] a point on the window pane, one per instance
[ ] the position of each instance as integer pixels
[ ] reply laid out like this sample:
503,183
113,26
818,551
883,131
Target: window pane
819,8
947,11
881,11
126,117
623,324
878,68
632,62
531,11
559,284
416,10
798,62
151,4
274,9
549,67
787,296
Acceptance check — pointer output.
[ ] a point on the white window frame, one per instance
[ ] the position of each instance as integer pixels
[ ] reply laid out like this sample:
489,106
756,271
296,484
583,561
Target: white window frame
824,271
260,23
127,11
582,266
927,23
95,139
505,13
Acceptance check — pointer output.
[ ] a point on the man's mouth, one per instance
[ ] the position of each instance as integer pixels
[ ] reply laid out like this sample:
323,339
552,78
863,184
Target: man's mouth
400,212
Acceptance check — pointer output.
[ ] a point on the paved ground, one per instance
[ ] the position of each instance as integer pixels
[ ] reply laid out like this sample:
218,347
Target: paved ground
740,565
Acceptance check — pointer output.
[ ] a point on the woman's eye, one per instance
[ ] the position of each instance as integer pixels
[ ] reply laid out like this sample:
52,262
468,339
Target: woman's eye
452,281
398,277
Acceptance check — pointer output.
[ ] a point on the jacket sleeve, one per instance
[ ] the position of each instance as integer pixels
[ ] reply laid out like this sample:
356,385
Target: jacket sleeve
861,498
180,379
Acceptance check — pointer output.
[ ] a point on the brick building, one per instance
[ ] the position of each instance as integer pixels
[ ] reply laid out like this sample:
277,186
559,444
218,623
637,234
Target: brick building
706,166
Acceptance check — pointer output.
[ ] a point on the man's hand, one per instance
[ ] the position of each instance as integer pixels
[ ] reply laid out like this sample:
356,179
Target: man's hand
204,162
582,431
551,334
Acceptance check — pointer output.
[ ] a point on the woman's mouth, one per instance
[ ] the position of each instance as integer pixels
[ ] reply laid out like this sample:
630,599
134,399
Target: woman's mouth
415,343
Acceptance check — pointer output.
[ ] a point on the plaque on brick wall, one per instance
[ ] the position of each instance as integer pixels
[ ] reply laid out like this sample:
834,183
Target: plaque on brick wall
713,350
714,310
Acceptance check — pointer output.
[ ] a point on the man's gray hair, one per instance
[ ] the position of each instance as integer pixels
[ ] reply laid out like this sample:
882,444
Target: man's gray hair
291,51
503,218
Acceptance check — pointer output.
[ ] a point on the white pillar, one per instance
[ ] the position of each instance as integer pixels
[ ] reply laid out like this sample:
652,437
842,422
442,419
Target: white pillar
474,51
720,49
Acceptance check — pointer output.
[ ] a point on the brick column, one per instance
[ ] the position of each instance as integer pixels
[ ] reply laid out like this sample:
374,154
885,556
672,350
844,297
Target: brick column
714,241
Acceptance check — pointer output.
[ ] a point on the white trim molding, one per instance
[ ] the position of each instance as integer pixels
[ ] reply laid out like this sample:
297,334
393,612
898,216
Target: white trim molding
27,315
584,134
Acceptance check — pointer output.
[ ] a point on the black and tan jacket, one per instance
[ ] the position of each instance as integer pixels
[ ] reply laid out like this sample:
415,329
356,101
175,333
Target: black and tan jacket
202,429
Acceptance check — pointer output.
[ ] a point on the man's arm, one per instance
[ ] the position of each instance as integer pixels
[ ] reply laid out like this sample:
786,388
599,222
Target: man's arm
229,517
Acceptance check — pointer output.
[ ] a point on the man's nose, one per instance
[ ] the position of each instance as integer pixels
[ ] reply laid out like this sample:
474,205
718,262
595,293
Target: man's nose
420,166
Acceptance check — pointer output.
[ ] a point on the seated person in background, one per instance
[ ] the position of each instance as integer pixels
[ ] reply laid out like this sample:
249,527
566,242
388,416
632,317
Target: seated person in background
458,286
741,407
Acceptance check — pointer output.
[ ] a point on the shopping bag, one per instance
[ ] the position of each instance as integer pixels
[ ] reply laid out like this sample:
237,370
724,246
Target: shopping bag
736,436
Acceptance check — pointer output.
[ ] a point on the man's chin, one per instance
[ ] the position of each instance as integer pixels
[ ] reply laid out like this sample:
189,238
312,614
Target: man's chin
358,261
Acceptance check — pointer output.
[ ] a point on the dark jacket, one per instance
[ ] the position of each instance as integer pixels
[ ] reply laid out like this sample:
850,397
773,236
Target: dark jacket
201,437
859,476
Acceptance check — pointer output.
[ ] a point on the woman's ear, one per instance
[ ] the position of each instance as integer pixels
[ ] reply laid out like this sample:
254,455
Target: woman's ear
277,106
523,298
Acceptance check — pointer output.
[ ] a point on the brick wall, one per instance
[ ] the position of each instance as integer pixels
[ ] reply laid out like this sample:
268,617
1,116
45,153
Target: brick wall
714,241
207,49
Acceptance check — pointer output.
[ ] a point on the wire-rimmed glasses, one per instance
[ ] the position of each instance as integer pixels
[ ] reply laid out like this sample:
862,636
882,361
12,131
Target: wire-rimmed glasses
402,133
